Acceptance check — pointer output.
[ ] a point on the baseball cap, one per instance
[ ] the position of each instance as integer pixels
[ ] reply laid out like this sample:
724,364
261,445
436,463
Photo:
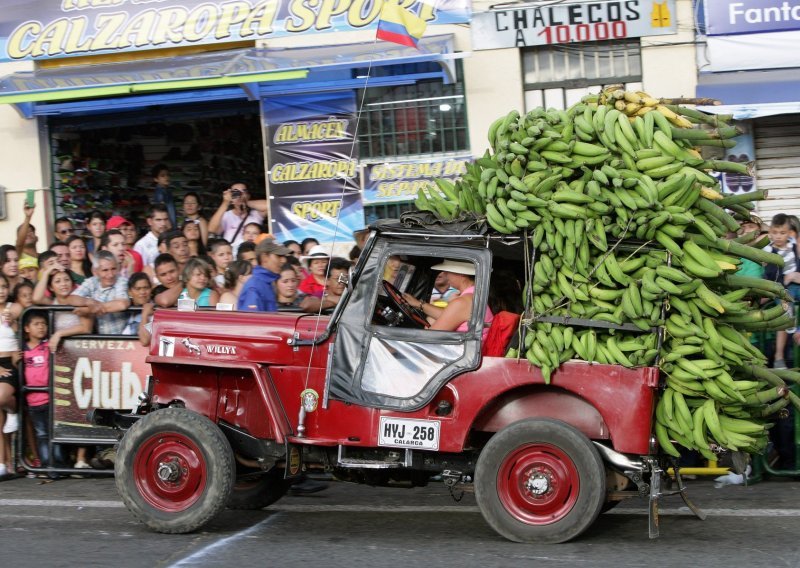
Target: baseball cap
27,261
271,247
116,222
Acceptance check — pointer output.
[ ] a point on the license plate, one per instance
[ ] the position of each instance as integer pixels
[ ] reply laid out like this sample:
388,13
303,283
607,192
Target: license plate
409,433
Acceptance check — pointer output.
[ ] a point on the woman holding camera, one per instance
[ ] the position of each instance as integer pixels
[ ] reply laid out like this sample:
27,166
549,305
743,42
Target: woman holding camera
235,212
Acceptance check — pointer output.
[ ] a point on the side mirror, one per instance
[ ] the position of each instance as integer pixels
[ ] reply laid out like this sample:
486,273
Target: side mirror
350,274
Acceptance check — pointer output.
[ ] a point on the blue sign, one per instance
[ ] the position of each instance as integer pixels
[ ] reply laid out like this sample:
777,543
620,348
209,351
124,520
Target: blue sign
314,179
397,182
729,17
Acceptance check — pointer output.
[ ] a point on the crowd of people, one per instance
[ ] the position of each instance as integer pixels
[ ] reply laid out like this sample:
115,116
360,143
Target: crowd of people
229,261
114,277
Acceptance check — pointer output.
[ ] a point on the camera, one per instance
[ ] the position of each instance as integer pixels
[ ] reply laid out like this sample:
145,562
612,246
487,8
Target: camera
236,193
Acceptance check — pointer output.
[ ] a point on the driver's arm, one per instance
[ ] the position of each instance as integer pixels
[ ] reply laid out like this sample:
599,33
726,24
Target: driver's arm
457,312
429,310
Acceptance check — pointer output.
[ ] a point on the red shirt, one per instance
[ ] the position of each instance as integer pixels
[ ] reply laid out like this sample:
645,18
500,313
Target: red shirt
37,368
311,287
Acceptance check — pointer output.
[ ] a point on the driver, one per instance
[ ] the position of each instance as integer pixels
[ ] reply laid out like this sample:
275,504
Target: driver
455,317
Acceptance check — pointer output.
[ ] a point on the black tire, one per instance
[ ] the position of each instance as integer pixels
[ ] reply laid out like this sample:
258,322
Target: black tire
196,460
258,490
540,481
608,505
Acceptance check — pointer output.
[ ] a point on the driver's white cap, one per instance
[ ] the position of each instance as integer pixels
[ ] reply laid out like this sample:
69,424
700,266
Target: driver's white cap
455,266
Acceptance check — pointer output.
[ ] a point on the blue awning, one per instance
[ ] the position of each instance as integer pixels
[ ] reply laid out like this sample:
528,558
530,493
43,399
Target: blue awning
751,94
250,73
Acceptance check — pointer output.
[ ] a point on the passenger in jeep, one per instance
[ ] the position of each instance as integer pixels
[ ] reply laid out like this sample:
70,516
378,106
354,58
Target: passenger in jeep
455,317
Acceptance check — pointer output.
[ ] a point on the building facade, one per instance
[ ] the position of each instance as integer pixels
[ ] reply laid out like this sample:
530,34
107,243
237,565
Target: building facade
336,128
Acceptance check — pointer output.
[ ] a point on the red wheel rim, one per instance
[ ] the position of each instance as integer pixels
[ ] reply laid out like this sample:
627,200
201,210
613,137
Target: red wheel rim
538,484
170,472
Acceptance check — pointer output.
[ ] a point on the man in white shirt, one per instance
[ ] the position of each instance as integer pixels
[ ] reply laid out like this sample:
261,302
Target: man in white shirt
230,223
147,246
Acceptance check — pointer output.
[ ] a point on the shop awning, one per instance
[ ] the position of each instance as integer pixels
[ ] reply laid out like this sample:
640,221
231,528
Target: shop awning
255,71
752,94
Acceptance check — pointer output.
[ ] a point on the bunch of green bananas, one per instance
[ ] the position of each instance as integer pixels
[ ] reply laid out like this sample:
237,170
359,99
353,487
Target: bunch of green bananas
628,228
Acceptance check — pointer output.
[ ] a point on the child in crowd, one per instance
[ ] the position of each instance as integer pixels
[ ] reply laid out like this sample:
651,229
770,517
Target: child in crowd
251,232
247,252
221,253
162,192
96,225
239,272
29,268
286,289
782,243
9,383
36,355
196,279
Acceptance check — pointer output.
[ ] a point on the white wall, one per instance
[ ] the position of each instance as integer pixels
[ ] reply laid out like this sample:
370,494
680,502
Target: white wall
669,69
493,82
21,168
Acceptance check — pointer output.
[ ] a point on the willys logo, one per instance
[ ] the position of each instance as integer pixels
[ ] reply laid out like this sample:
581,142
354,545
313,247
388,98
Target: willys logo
221,349
197,350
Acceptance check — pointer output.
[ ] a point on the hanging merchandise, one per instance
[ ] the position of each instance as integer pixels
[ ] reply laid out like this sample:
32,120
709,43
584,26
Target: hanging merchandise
108,164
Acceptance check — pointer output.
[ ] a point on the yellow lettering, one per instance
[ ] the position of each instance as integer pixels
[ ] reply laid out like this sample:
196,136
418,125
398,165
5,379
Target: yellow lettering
262,16
200,23
81,4
109,26
169,24
328,9
231,14
51,40
138,30
356,15
298,9
316,210
72,44
15,47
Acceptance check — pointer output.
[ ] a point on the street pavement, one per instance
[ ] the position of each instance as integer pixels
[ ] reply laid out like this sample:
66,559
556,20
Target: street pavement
82,522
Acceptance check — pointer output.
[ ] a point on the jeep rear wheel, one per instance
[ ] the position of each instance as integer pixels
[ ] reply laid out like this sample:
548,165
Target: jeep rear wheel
258,490
540,481
174,470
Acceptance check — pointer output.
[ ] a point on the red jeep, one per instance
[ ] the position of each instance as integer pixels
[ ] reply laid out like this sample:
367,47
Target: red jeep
239,405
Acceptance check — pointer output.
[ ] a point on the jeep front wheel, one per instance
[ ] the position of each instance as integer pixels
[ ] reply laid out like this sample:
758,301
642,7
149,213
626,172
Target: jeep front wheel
174,470
540,481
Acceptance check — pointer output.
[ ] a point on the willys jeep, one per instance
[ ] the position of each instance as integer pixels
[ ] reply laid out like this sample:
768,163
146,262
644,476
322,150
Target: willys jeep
242,404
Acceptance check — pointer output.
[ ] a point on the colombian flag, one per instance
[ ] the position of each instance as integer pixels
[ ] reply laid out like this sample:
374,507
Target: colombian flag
398,25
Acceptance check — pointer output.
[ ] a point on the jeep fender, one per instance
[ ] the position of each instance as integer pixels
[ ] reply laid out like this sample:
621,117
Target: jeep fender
240,394
542,402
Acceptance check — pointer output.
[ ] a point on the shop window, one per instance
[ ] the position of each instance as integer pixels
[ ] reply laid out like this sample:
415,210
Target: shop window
557,76
428,117
104,162
386,211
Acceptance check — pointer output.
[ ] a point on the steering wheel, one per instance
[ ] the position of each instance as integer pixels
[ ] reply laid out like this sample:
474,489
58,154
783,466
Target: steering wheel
414,315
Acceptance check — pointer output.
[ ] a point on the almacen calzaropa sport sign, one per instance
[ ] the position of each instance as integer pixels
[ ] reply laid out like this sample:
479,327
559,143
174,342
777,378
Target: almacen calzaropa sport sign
41,29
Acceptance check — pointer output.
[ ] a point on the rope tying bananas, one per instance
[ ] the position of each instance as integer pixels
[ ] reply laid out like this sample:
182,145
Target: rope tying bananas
626,225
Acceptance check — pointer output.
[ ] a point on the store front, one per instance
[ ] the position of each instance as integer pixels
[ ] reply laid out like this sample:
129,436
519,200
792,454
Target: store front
757,79
570,49
211,114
